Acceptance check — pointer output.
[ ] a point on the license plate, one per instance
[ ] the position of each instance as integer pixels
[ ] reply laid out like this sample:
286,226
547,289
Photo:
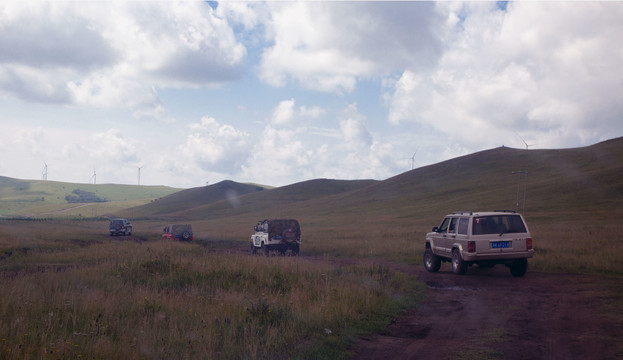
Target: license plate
500,244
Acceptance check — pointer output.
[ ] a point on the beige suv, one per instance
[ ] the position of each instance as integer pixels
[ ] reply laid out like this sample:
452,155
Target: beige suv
482,238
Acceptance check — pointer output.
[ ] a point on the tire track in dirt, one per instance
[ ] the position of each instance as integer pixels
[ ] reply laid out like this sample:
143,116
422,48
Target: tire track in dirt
490,314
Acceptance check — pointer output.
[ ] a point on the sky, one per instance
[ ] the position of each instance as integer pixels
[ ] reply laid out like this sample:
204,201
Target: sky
192,93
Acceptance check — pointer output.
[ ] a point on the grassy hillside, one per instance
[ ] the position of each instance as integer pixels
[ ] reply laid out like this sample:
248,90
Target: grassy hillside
572,195
569,180
228,198
47,198
187,200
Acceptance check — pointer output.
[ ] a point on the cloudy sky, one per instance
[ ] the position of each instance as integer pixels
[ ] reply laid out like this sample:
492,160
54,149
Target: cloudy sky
280,92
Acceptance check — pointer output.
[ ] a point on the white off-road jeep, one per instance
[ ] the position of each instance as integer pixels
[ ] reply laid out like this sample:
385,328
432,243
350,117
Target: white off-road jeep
280,235
482,238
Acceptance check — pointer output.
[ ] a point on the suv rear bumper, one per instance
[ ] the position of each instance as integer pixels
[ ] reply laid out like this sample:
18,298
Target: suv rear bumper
500,257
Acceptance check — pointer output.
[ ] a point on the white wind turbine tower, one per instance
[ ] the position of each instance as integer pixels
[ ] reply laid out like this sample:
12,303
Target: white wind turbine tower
413,158
524,141
44,173
139,174
94,177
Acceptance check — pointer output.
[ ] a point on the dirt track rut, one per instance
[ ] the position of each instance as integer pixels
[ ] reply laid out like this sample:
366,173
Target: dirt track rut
488,314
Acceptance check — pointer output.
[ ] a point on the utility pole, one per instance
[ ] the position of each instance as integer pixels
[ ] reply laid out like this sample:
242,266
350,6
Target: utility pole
525,189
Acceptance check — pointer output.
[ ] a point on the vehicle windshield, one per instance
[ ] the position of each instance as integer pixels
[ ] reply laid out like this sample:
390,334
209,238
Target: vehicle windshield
498,224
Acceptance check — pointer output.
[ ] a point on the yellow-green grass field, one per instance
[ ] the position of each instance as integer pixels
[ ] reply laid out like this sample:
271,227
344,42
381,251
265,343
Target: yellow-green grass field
71,291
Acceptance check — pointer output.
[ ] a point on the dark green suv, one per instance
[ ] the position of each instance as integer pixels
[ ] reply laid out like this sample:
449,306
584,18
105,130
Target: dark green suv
120,227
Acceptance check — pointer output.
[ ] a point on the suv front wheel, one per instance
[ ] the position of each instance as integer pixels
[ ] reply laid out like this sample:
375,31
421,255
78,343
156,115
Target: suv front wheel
432,262
459,266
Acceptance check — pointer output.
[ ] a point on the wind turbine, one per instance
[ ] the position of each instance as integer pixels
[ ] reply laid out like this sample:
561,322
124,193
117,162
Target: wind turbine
44,173
94,177
524,141
413,158
139,174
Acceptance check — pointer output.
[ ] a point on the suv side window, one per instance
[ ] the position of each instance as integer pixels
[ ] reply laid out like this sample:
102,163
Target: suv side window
463,224
444,225
452,227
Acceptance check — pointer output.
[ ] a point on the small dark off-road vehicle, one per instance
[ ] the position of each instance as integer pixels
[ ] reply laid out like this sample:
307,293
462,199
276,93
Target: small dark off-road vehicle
120,227
179,232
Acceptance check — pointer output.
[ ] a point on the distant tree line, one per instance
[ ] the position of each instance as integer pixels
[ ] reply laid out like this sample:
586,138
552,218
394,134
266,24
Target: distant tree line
81,196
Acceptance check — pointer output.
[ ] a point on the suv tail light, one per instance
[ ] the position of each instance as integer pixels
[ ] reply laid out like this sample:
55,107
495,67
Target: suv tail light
528,243
471,246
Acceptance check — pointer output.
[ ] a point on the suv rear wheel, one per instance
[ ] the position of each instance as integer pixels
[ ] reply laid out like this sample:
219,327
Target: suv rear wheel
519,267
432,263
459,266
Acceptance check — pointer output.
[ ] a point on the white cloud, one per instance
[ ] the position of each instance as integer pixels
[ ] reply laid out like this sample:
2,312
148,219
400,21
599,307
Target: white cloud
27,140
78,79
328,46
113,54
313,112
286,113
71,154
283,113
354,134
213,147
545,70
278,157
283,154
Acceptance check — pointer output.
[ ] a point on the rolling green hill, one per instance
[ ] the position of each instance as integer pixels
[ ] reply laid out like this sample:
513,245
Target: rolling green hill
189,199
586,179
48,198
230,198
573,201
578,180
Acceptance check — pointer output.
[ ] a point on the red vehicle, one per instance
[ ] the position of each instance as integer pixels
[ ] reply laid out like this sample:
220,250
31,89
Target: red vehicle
179,232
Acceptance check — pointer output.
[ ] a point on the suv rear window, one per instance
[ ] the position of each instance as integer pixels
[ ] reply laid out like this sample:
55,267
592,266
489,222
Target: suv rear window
498,224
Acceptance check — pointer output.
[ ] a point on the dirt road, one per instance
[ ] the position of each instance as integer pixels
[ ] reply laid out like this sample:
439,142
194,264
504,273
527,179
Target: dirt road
488,314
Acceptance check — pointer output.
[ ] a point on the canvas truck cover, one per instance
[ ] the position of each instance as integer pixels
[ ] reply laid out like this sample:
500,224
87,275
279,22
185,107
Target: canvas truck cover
276,228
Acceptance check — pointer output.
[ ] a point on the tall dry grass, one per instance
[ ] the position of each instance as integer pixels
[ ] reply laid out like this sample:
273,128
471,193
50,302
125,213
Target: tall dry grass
110,298
71,291
590,244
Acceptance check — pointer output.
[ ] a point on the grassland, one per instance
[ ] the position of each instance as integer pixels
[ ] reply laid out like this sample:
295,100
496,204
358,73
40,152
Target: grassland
37,198
71,291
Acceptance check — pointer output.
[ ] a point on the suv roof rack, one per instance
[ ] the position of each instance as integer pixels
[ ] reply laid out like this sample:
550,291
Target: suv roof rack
509,211
462,212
